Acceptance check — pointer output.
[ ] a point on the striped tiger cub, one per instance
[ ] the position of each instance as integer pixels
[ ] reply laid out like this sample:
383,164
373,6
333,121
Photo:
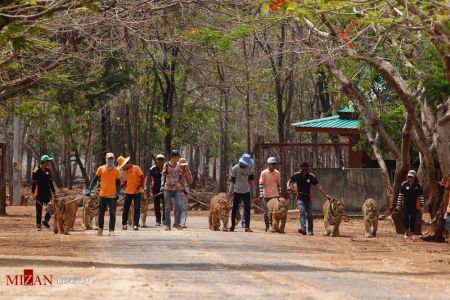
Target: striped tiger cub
333,210
370,214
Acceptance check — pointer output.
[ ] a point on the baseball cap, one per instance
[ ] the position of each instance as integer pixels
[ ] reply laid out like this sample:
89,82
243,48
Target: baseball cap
45,158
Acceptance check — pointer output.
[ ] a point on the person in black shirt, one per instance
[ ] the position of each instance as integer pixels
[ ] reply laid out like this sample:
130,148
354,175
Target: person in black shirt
153,187
42,189
304,179
411,201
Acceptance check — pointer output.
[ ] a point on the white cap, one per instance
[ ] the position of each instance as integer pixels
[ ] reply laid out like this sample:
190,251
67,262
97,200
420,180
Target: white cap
272,160
109,155
160,156
411,173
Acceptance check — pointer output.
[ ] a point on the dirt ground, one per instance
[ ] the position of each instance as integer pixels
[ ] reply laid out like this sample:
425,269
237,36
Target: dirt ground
204,264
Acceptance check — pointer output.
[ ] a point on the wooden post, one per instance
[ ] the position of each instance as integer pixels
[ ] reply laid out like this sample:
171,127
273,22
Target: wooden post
2,175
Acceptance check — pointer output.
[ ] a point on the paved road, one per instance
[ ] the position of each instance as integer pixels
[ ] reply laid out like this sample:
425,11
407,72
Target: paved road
195,262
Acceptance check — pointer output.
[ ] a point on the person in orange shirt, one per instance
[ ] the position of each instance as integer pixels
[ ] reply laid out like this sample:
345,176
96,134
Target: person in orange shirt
109,192
134,182
269,187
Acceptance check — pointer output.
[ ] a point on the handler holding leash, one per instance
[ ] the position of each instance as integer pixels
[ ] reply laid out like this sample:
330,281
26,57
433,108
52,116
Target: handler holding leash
134,181
42,190
269,187
109,192
304,180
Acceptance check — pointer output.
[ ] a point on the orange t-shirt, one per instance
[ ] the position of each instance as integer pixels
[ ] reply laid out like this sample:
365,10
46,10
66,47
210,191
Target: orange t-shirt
133,178
107,181
270,182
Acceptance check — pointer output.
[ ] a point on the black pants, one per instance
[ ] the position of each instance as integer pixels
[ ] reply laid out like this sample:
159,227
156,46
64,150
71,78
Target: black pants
409,218
237,197
157,201
39,205
136,198
112,203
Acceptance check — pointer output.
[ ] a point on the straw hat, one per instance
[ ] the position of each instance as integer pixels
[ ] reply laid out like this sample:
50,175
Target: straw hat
183,162
122,161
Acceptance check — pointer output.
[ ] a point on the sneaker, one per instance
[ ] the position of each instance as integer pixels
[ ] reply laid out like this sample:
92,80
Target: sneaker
168,228
144,226
267,229
158,224
124,227
38,228
45,223
248,230
231,229
111,233
310,233
100,231
135,228
177,226
302,231
184,226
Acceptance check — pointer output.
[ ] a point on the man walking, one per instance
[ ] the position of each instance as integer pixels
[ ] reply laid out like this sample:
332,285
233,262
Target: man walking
304,179
411,200
153,188
109,192
171,186
42,189
269,187
186,181
241,179
134,181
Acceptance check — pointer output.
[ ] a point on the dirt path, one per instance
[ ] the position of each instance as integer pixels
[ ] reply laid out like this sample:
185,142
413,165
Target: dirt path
199,263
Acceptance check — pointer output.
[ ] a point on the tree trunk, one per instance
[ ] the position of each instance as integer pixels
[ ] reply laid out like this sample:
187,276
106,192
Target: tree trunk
224,148
17,161
2,175
29,167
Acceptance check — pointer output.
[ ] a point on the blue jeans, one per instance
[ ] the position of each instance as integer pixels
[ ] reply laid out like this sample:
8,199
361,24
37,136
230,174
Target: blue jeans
176,194
112,203
184,210
136,198
305,207
237,198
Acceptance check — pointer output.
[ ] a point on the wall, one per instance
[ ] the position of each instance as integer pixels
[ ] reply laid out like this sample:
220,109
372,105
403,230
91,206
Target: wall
354,185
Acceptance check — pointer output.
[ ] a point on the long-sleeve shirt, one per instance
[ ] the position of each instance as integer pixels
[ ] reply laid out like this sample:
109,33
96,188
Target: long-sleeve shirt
411,195
42,186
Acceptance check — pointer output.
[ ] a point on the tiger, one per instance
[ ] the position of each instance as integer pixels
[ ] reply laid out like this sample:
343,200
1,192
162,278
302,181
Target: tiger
90,211
219,210
144,207
65,214
370,214
333,210
278,213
